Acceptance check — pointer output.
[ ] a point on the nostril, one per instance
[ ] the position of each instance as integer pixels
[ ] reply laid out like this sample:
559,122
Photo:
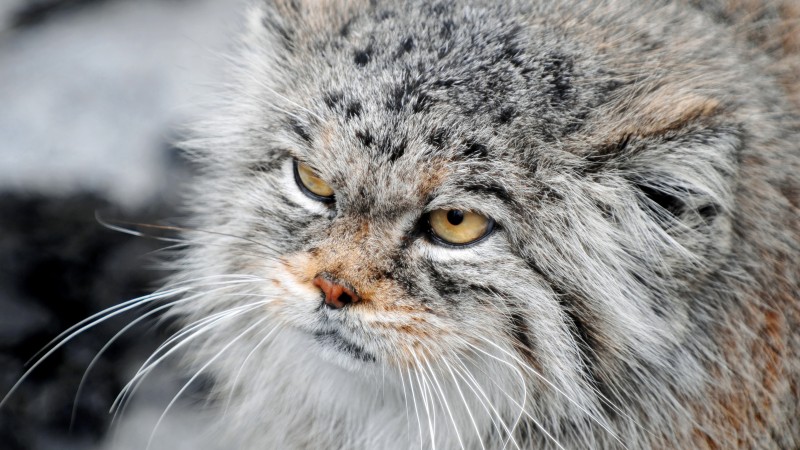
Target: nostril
345,298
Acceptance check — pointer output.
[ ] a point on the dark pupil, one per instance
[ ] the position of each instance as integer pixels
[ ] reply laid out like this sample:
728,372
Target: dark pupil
455,216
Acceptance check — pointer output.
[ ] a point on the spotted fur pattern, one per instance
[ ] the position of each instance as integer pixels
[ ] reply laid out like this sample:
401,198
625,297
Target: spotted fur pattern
640,290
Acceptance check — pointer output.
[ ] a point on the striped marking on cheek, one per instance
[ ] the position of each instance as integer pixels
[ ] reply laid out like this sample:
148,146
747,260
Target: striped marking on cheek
521,339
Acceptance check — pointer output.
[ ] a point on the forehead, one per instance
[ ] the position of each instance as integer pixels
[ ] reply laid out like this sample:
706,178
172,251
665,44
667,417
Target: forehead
408,94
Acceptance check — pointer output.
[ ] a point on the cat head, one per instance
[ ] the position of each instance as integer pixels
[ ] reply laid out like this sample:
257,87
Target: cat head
412,182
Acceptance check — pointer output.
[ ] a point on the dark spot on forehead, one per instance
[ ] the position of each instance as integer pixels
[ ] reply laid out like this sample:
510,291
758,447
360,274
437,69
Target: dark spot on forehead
401,93
362,57
474,149
385,14
445,82
365,137
409,93
437,138
345,30
353,110
422,103
440,8
505,115
447,29
333,99
408,44
511,48
405,47
394,147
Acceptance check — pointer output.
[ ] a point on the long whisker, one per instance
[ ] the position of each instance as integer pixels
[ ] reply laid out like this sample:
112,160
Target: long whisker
102,351
429,407
416,408
133,323
405,401
174,289
204,326
471,381
443,399
176,228
464,401
197,374
548,382
83,326
244,363
125,306
522,406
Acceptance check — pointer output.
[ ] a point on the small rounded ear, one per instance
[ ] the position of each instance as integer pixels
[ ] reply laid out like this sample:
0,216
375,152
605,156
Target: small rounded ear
677,148
295,22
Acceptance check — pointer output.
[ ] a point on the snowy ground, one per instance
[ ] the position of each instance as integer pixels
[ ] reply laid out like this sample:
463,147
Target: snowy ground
90,100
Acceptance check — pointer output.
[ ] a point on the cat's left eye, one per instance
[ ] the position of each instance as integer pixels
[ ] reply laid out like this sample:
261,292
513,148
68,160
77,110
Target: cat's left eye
311,184
457,227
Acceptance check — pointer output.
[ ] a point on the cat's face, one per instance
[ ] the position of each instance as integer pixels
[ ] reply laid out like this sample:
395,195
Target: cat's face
593,193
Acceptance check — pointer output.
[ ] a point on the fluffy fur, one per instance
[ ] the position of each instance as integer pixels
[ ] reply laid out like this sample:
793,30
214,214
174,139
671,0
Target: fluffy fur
640,159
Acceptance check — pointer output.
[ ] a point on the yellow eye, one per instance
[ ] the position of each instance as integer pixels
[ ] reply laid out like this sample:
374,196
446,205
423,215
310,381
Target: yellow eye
457,227
311,184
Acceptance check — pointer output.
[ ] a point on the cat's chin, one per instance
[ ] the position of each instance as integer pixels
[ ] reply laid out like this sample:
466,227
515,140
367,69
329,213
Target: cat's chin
335,348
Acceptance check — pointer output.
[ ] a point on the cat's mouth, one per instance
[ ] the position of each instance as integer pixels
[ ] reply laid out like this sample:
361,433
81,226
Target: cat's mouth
333,339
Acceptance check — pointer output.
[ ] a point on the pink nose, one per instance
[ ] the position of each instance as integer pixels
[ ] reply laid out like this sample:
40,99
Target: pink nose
336,295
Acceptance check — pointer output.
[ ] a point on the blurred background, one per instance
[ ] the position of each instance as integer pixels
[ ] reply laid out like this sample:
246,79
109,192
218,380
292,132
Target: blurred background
91,95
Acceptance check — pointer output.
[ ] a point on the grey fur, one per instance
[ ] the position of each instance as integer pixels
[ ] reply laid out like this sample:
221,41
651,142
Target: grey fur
641,290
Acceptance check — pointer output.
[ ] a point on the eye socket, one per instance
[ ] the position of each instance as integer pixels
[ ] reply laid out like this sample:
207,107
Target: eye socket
311,184
457,227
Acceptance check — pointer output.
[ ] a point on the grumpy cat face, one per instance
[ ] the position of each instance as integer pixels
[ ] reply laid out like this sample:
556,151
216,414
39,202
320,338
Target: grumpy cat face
488,224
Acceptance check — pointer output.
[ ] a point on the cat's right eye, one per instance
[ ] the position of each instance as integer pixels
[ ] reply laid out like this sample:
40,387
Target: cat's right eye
311,184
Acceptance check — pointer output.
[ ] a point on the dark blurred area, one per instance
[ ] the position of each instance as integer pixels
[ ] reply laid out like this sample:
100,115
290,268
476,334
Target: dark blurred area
33,12
91,95
58,266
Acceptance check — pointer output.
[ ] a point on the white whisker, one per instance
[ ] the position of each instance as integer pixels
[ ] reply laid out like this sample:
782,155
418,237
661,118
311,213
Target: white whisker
443,399
244,363
592,416
204,325
416,408
464,401
473,384
194,377
429,406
